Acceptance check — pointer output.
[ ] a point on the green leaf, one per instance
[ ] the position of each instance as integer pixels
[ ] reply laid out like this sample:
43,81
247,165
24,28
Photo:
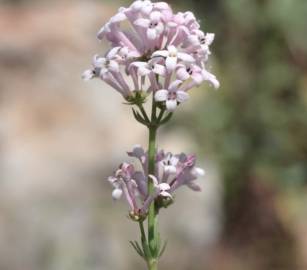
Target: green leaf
138,117
163,249
137,248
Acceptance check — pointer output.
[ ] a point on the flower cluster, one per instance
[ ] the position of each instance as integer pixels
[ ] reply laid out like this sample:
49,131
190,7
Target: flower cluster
171,172
161,52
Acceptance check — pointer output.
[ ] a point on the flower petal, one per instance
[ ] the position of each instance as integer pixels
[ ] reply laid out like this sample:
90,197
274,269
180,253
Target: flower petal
152,33
182,74
171,63
170,169
147,9
171,105
194,186
175,85
186,57
165,194
137,5
163,53
154,179
161,95
199,171
211,78
117,193
142,22
161,5
113,52
113,66
119,17
99,62
159,69
164,186
182,96
209,38
198,78
143,71
88,74
172,50
155,16
137,151
101,33
159,28
139,64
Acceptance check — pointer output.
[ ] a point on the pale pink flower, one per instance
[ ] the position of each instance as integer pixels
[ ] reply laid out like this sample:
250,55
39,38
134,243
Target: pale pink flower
146,7
153,25
172,55
145,68
185,72
172,172
172,96
158,44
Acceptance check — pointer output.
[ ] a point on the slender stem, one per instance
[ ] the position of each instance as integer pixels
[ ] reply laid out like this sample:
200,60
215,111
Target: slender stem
152,265
152,214
151,249
151,170
161,115
144,240
144,113
143,234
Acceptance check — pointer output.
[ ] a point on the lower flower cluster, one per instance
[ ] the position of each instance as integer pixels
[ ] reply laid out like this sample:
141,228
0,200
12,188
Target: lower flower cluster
171,172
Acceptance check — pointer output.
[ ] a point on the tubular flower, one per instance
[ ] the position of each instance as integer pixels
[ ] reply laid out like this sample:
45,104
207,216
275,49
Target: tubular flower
172,172
159,48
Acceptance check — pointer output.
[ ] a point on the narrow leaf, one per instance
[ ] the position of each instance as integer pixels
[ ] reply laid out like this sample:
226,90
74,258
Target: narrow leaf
163,249
138,117
137,248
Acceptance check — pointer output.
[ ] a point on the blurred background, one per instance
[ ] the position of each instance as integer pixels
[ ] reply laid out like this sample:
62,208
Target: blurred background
60,138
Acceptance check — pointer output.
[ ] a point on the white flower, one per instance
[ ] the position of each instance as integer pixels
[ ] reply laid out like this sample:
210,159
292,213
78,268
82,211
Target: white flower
211,78
161,187
88,75
117,193
198,172
171,96
145,7
185,72
145,68
153,25
170,163
122,54
171,56
157,43
105,65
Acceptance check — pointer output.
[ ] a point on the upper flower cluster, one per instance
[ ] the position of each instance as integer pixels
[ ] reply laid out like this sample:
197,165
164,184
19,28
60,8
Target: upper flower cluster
160,52
171,172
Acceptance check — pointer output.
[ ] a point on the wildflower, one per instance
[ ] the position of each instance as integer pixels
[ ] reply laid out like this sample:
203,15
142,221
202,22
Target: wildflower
153,25
164,54
159,44
172,96
171,57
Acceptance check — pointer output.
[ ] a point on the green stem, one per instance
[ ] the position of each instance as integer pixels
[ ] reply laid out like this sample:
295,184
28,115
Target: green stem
144,113
152,265
152,214
151,170
144,240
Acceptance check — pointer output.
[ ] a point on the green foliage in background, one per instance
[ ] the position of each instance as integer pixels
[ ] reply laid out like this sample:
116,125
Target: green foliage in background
255,126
